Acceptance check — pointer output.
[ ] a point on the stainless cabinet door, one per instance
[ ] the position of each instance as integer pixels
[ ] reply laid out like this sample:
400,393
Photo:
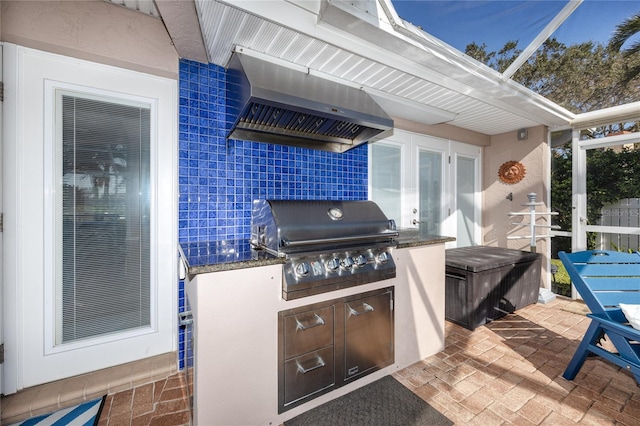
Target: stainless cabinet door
368,334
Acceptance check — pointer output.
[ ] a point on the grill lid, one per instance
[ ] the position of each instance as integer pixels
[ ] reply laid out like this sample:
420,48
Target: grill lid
287,226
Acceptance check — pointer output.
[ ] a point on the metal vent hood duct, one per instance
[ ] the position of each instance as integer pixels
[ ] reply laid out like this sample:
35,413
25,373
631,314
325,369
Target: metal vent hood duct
283,106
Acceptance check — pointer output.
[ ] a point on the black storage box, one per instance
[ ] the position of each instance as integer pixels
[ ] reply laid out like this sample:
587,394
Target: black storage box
485,283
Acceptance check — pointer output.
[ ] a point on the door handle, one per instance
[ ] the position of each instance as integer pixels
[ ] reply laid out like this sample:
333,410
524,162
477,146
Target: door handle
319,364
415,222
367,308
311,324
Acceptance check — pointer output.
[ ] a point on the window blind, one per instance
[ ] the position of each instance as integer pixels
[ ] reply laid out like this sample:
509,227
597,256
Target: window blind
104,215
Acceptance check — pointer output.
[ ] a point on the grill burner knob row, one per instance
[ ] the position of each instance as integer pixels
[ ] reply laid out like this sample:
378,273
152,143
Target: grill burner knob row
383,257
346,263
302,269
333,264
361,260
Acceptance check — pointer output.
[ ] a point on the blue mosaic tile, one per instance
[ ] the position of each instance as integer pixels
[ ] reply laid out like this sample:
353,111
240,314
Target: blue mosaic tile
220,178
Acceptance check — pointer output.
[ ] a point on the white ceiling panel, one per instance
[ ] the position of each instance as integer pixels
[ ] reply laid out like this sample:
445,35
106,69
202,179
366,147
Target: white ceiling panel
349,70
278,45
259,35
380,62
312,49
296,48
324,58
387,79
218,39
408,86
340,57
350,62
403,81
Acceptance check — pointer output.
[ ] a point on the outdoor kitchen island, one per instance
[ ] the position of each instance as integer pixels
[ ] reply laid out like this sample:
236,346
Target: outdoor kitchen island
235,296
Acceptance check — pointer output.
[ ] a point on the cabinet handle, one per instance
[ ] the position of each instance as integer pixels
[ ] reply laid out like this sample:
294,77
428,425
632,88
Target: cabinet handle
367,308
319,364
311,324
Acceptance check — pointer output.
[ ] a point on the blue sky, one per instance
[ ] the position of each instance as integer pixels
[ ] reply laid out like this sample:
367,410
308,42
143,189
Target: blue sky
459,23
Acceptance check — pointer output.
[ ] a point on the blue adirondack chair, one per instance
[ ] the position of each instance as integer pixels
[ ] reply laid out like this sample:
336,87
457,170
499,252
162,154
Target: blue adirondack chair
605,279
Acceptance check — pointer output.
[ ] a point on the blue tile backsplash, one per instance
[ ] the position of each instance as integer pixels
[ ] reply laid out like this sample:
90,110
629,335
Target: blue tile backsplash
219,179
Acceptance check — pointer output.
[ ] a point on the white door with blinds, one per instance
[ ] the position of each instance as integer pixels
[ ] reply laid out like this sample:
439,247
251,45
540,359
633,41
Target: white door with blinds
92,190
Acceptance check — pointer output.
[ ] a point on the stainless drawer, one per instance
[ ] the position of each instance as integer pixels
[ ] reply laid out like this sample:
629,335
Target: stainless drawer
308,374
308,331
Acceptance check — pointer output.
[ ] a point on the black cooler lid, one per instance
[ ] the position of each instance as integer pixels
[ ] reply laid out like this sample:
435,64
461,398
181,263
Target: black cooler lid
482,258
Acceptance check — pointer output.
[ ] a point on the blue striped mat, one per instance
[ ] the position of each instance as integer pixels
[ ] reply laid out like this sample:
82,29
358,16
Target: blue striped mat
85,414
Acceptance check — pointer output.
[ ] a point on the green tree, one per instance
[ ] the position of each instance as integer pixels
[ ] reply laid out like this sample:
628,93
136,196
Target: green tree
479,52
582,77
623,33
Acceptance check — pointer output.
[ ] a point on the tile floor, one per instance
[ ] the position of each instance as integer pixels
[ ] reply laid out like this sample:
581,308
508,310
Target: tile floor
161,403
507,372
510,372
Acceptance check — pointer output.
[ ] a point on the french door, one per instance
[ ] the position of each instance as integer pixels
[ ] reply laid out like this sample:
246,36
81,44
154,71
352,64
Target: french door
90,217
429,184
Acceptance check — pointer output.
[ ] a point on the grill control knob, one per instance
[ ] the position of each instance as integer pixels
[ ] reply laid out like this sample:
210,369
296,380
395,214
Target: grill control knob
302,269
333,264
346,263
361,260
383,257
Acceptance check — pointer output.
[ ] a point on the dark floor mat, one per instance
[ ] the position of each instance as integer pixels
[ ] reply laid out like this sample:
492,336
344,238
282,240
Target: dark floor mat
384,402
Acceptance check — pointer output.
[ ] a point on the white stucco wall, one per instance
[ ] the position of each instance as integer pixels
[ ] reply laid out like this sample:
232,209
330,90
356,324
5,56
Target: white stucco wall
497,225
93,30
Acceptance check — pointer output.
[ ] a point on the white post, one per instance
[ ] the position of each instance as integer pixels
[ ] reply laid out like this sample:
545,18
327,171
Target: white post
532,220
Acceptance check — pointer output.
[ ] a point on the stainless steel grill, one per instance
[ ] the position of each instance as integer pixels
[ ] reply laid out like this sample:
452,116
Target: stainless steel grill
328,245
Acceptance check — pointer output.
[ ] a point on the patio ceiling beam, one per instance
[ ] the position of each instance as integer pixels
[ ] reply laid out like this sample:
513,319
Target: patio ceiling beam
566,11
616,114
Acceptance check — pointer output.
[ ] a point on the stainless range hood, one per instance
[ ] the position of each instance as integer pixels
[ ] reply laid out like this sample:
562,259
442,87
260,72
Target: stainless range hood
283,106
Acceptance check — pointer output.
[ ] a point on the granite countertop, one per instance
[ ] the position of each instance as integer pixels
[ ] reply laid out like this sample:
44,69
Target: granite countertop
215,256
411,238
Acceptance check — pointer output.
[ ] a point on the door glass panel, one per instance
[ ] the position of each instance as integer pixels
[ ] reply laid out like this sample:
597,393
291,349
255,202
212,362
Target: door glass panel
386,179
465,195
103,211
430,191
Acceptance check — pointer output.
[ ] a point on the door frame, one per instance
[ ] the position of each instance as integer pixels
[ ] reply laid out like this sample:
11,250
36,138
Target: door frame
24,264
579,189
